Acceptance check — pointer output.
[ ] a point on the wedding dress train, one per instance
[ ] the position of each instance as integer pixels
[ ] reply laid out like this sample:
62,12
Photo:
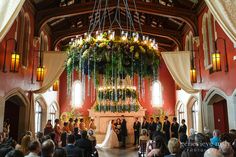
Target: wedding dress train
110,140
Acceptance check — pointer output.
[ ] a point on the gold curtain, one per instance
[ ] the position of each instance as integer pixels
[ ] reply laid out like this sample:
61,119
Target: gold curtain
224,13
54,63
9,10
178,64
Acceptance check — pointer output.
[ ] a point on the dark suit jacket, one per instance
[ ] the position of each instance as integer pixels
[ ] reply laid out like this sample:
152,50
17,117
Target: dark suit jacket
145,125
85,144
70,150
152,126
174,129
183,129
136,127
123,129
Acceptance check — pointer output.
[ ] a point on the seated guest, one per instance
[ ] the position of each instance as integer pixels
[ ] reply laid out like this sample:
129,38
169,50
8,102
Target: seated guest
85,144
215,140
70,147
212,152
227,137
48,128
174,147
34,149
144,135
15,153
39,136
48,148
157,147
207,133
232,131
59,152
24,145
226,149
191,137
197,148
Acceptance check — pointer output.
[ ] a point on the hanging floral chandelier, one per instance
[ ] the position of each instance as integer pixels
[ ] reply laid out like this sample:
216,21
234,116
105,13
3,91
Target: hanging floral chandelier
113,54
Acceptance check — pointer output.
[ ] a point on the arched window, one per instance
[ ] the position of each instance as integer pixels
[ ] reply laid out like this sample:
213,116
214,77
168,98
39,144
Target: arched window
26,37
195,115
180,113
77,94
208,38
157,94
52,113
38,117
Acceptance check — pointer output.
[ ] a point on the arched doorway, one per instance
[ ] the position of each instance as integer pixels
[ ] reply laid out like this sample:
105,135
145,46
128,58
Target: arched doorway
220,113
216,110
14,113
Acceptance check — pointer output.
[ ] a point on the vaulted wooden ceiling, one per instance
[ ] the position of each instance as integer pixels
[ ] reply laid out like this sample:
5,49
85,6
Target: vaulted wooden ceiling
164,20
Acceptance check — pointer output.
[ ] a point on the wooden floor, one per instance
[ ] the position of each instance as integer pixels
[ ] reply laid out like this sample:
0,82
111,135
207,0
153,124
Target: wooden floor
130,151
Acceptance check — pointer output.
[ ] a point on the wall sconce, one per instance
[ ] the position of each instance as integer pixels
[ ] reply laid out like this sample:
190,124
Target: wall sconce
193,72
40,69
216,57
15,58
55,86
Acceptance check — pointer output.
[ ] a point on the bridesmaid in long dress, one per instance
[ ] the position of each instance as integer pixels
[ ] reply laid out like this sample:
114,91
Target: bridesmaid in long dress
57,130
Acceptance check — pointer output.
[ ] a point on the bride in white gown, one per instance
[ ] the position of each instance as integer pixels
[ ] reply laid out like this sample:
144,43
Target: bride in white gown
111,139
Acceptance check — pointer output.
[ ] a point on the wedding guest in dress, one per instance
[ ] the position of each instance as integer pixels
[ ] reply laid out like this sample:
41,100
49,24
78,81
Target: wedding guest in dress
118,127
71,126
57,130
166,129
76,124
158,123
215,140
48,128
145,123
174,128
24,144
66,127
123,131
82,125
136,127
151,127
92,124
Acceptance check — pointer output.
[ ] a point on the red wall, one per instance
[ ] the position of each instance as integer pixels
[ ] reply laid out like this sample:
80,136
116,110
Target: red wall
223,80
168,94
22,79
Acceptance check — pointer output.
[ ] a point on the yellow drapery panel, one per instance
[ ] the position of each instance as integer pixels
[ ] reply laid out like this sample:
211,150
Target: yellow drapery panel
224,13
54,63
9,9
178,64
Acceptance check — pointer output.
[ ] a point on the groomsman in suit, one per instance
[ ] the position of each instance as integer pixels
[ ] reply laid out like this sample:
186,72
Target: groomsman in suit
144,124
158,124
166,128
123,131
151,127
175,128
136,128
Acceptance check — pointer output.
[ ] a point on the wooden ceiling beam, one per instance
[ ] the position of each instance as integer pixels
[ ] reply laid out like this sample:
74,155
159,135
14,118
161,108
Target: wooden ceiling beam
157,32
185,15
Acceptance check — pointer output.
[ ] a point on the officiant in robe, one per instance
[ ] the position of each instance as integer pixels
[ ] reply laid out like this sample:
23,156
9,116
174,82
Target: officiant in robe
123,131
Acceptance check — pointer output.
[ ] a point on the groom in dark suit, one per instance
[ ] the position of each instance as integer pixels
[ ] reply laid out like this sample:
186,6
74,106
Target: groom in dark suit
123,131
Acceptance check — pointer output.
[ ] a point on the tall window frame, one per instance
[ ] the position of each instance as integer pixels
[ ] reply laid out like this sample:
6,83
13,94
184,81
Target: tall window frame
38,117
195,115
181,112
52,113
208,38
157,100
77,94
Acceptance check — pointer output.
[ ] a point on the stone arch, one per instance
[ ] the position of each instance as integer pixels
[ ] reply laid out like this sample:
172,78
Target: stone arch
17,95
43,104
212,96
56,106
190,104
177,107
